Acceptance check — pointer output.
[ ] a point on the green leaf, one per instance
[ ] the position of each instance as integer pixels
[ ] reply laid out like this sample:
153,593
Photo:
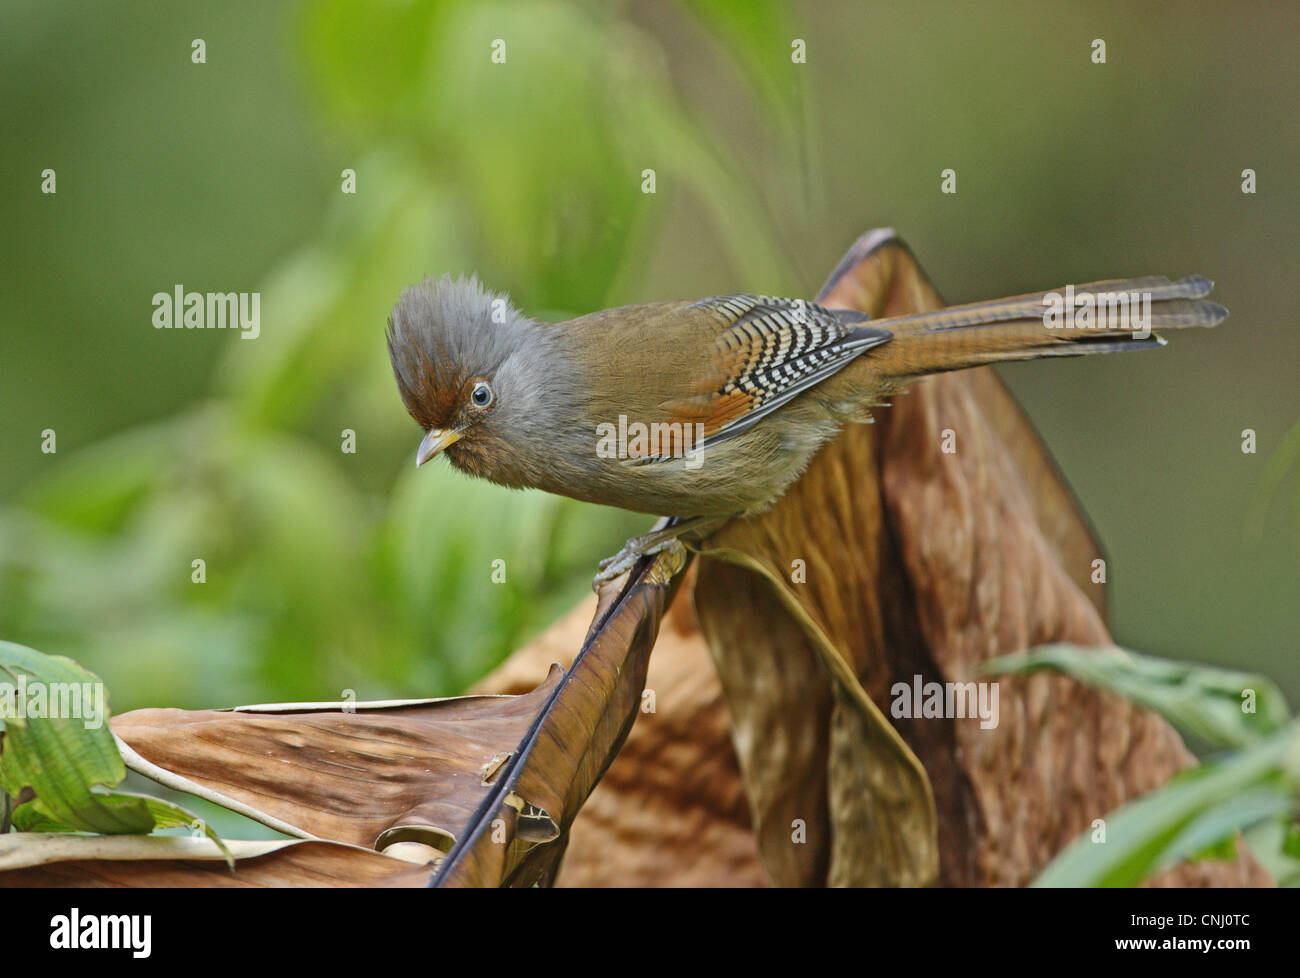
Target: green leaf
59,758
1213,835
57,743
1268,842
1197,810
1223,708
1224,849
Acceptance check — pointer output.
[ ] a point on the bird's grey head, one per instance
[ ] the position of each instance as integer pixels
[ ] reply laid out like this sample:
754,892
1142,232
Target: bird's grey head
482,379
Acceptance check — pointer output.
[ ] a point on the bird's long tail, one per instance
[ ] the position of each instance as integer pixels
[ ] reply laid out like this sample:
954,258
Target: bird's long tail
1101,317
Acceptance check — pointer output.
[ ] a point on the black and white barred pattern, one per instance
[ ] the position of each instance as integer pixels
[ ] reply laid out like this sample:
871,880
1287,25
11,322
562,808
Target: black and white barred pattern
782,347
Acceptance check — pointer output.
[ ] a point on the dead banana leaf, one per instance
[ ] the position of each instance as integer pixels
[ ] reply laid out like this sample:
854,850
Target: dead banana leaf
794,603
413,771
516,835
998,557
672,809
835,792
881,275
494,781
903,561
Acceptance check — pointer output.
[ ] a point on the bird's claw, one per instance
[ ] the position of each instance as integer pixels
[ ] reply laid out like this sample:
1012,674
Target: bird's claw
636,548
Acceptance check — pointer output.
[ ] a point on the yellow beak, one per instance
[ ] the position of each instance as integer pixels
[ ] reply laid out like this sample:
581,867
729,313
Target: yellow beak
434,442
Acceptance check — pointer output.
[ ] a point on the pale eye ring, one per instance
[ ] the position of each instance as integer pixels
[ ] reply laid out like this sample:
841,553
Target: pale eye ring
481,395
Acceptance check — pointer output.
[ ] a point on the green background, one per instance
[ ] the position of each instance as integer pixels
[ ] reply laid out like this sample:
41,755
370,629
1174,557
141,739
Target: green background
328,571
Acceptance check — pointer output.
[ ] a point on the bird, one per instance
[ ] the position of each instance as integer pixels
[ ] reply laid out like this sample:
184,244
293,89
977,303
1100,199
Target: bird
707,410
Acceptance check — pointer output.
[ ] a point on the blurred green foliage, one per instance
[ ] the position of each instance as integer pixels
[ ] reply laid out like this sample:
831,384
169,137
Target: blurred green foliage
321,570
327,570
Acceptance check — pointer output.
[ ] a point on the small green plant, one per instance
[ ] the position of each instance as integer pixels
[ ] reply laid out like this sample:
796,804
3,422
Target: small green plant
59,764
1252,789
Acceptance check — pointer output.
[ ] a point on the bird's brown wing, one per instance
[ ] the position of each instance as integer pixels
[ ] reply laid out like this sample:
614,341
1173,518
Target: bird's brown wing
768,350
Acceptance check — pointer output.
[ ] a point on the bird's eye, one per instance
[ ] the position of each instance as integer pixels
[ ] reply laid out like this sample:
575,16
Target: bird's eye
481,395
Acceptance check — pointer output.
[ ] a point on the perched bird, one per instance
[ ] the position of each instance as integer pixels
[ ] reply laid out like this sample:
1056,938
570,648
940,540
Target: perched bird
709,409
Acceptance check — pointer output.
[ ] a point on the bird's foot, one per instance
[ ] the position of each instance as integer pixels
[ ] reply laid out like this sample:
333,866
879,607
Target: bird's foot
643,546
664,538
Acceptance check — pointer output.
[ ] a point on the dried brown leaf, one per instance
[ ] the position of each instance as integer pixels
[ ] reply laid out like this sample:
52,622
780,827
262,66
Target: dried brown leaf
49,860
346,776
495,780
672,808
516,837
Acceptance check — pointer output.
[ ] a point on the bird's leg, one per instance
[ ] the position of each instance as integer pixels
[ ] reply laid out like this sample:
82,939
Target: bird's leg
656,541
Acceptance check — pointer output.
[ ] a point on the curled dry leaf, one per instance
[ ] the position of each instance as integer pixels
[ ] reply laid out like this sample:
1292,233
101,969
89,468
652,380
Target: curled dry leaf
997,558
492,780
346,776
517,834
672,809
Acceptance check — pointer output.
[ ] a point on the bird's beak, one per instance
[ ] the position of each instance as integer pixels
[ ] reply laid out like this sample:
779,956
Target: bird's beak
434,442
